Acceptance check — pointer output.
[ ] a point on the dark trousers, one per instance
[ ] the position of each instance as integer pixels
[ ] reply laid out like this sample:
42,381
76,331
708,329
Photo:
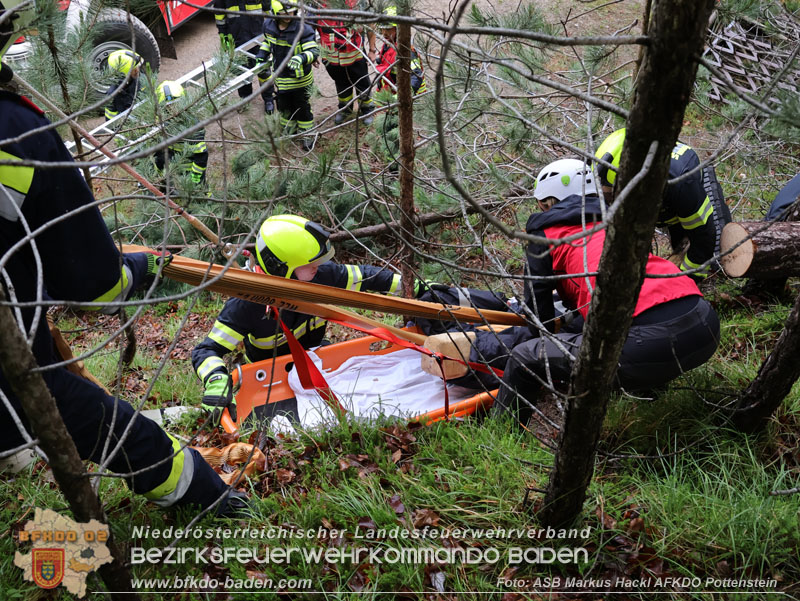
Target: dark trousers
90,415
295,108
247,88
661,345
349,78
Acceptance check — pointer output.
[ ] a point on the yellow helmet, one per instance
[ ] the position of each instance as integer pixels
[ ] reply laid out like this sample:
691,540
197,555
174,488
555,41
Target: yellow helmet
277,8
12,26
122,61
610,151
390,11
167,91
286,242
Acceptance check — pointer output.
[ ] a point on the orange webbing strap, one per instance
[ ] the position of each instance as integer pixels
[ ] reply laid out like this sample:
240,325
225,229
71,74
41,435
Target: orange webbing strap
310,375
301,296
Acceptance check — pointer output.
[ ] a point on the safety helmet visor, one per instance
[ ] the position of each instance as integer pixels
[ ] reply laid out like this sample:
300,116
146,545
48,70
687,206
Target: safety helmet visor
15,16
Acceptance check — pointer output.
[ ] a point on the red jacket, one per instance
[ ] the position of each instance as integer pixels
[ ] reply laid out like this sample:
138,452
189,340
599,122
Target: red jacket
583,255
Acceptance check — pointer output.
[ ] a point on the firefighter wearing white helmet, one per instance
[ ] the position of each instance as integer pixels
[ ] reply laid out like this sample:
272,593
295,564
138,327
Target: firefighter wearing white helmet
564,178
290,41
674,328
85,268
126,67
692,209
192,150
287,246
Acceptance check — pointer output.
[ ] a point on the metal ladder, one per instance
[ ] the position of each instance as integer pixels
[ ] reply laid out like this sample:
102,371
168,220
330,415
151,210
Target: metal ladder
122,145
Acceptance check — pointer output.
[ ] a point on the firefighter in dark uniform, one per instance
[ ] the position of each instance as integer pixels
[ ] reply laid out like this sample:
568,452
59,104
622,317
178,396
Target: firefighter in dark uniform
674,328
79,262
192,150
291,247
294,81
126,66
235,30
342,47
692,209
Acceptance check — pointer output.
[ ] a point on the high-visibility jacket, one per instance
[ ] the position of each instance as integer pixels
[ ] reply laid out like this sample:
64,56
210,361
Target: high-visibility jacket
340,43
78,261
687,210
582,255
242,27
387,69
277,45
245,322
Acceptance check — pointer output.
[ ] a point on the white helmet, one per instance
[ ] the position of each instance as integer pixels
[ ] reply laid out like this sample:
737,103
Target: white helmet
564,178
14,20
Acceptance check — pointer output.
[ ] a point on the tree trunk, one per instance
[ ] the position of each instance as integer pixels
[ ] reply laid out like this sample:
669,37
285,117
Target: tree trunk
406,117
668,71
775,378
16,363
767,249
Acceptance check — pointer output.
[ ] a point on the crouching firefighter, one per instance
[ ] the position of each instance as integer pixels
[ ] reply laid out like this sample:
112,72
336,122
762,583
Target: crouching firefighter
71,256
287,246
674,328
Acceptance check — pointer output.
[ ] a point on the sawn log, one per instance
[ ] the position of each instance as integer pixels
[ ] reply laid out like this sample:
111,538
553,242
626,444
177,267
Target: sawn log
767,249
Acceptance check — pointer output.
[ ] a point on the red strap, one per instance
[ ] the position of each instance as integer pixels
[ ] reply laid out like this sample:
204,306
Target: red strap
310,376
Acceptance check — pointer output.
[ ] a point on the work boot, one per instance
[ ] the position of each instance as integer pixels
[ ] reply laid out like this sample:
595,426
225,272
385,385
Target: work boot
366,115
269,107
308,143
342,116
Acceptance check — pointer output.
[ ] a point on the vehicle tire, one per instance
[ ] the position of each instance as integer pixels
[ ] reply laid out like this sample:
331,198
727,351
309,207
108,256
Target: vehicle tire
112,31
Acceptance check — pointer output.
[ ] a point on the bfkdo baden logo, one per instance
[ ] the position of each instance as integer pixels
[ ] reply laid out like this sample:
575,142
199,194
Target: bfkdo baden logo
48,567
63,552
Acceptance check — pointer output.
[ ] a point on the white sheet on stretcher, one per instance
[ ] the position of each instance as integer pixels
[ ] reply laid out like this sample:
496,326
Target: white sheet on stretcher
372,385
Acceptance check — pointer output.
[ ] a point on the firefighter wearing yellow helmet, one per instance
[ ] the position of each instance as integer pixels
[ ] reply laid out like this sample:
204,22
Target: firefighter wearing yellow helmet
294,77
287,246
75,259
692,209
192,151
125,65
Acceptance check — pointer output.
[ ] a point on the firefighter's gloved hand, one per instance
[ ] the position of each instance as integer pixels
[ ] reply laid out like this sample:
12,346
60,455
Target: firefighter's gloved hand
296,64
154,261
218,396
422,286
226,41
261,60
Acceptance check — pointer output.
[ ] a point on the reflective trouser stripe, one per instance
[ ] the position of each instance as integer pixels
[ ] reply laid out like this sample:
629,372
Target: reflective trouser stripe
208,366
345,99
111,113
180,477
304,125
118,292
291,83
700,217
686,265
225,336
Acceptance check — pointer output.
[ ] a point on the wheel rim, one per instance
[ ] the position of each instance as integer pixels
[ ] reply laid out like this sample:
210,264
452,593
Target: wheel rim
98,58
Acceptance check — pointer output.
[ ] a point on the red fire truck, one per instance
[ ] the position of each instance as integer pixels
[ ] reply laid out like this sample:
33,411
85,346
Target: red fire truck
150,30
